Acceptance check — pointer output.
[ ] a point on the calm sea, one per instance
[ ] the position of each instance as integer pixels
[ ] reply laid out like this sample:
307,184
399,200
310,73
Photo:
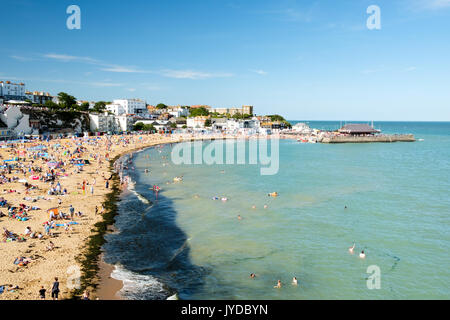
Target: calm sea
398,211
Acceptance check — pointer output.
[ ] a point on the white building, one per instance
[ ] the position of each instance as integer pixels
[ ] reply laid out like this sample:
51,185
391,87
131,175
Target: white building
110,123
124,123
302,127
196,122
102,122
178,112
12,91
128,106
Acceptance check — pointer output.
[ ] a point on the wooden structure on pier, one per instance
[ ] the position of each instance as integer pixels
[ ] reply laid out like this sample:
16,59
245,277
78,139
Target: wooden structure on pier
358,129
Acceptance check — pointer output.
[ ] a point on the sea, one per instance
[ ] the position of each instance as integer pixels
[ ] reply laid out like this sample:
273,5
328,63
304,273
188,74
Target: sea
392,200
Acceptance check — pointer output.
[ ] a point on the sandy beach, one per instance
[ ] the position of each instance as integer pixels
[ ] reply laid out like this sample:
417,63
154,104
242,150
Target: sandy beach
26,196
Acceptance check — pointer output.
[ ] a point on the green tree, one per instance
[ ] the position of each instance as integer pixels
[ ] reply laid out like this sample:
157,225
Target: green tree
99,106
139,126
196,112
67,101
51,105
161,106
84,106
208,123
279,118
149,127
173,125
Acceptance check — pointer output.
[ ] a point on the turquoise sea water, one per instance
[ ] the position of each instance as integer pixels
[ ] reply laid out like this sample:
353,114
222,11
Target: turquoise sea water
398,211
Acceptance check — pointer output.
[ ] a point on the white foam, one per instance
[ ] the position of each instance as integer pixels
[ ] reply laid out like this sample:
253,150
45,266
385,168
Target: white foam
138,286
131,187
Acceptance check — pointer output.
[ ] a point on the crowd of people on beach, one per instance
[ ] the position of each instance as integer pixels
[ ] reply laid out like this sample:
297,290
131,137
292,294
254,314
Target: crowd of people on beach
40,173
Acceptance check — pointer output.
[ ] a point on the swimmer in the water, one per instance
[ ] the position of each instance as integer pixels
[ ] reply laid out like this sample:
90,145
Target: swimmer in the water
362,255
294,281
239,217
253,207
265,206
273,194
351,248
278,284
252,276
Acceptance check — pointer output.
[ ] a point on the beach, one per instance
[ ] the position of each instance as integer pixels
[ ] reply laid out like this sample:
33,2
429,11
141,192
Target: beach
37,266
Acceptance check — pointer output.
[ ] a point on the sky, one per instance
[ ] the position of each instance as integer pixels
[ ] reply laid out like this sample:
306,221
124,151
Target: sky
305,60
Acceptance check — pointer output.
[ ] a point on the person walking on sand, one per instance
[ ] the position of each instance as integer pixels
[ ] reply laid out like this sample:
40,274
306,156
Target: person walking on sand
55,289
72,211
92,190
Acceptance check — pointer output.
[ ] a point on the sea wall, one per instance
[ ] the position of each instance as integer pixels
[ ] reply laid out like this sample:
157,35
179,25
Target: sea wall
368,139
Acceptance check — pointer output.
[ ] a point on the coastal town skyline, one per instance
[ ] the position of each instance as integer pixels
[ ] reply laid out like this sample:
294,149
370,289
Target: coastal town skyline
305,60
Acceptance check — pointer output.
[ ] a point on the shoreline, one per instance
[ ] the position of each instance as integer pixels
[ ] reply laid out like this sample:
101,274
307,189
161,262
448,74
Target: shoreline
108,288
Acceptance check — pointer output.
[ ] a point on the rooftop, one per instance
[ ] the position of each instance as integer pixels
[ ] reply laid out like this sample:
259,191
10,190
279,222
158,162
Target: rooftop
354,128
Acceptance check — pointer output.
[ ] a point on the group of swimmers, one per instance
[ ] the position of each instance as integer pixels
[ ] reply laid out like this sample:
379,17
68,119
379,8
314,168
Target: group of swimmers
362,255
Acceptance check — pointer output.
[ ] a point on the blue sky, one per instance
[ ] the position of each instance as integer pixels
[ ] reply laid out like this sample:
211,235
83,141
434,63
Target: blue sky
312,60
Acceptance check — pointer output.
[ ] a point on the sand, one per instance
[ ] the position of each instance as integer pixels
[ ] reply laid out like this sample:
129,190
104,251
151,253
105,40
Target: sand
61,261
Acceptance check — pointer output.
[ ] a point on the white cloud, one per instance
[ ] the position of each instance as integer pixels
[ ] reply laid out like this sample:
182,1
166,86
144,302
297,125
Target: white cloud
68,58
190,74
438,4
261,72
22,58
409,69
123,69
131,89
418,5
105,84
178,74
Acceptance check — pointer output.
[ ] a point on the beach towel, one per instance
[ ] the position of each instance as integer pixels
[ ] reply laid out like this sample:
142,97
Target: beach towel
64,224
2,288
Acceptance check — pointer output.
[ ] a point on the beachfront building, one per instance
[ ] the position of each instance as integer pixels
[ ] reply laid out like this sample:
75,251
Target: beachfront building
196,122
12,91
358,129
109,123
102,122
128,106
124,123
